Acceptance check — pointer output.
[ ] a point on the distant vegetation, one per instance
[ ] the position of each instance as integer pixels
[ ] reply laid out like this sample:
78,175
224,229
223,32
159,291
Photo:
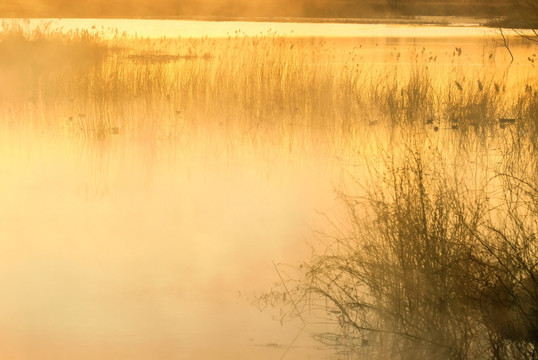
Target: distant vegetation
260,8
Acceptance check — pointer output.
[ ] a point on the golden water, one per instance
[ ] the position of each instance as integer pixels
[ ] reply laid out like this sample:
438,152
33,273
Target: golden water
148,247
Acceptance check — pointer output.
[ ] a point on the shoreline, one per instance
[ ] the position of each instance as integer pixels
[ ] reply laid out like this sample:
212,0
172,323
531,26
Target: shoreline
456,21
419,20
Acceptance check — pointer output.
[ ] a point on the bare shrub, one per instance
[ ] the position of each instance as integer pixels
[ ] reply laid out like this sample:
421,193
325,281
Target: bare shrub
433,265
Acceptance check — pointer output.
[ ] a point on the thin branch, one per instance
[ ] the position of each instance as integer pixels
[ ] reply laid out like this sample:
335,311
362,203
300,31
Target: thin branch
382,331
292,343
506,45
288,292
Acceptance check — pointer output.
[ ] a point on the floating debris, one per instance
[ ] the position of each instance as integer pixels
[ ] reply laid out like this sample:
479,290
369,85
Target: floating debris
505,121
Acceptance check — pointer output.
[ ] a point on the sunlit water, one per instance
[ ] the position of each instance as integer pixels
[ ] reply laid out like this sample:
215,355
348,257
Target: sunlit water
110,253
199,29
149,250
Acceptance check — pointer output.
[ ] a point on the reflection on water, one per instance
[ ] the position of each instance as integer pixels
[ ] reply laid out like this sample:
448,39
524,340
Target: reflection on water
133,256
141,209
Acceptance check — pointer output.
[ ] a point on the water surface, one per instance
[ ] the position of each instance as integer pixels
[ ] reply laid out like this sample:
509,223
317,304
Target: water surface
152,246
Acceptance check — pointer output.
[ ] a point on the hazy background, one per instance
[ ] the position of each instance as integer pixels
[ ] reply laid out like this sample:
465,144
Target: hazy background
254,8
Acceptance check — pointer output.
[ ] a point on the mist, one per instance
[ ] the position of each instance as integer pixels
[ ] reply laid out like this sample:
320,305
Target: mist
202,189
253,9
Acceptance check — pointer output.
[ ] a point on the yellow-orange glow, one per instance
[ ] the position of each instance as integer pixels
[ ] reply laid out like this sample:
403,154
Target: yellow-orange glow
149,187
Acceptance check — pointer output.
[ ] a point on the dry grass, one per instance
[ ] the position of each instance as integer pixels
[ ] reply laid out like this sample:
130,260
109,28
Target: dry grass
421,237
150,87
436,258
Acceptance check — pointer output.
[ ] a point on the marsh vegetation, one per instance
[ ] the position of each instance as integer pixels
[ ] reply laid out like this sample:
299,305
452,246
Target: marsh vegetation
212,148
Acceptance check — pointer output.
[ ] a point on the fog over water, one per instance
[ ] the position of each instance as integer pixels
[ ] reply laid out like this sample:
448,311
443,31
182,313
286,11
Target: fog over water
143,245
113,250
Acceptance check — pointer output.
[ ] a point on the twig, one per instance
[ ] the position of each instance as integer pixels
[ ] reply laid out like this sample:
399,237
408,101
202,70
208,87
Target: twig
288,292
506,45
293,341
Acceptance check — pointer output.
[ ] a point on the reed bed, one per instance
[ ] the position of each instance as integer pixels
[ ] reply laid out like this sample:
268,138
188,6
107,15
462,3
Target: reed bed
137,86
439,195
